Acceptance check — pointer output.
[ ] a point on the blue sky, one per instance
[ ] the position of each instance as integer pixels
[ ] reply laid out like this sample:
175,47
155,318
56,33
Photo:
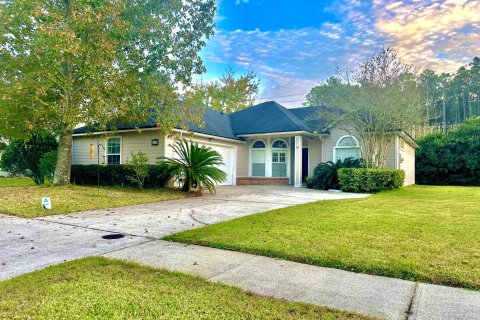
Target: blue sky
294,45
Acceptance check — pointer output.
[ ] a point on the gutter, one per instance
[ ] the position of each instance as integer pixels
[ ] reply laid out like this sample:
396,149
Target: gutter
284,133
151,129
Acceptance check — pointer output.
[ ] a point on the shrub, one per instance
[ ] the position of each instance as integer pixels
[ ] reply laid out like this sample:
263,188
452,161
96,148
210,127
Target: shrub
451,158
370,180
138,164
197,165
309,182
23,156
116,175
325,174
47,165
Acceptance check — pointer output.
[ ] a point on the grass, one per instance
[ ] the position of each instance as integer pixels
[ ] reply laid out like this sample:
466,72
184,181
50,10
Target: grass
420,233
101,288
16,182
26,201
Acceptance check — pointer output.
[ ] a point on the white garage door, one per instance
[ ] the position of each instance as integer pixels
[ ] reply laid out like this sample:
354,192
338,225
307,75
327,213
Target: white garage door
227,154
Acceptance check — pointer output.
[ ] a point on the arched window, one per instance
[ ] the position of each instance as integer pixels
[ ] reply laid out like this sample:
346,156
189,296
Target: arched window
347,147
258,158
259,144
279,144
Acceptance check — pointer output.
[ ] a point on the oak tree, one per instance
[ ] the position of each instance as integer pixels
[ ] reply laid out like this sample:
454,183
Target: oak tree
97,62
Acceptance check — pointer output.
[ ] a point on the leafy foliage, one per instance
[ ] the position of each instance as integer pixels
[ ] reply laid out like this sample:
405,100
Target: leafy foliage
325,174
452,97
23,156
382,97
229,94
450,158
370,180
116,176
139,166
68,62
47,165
196,165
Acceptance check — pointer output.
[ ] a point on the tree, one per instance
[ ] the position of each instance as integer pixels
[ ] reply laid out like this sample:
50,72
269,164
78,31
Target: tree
138,164
47,165
197,166
97,62
229,94
383,98
23,156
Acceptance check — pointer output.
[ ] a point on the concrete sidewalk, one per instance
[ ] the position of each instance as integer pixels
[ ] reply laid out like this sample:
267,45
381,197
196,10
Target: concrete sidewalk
382,297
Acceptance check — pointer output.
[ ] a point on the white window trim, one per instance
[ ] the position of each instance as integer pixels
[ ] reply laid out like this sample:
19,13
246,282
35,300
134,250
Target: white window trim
253,142
337,147
106,149
250,150
283,140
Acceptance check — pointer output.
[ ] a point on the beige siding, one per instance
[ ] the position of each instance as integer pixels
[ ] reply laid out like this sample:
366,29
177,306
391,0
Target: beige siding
329,143
390,158
408,163
135,142
170,140
131,142
81,150
314,154
402,158
242,160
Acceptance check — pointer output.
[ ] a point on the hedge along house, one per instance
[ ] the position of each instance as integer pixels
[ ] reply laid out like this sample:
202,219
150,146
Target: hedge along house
266,144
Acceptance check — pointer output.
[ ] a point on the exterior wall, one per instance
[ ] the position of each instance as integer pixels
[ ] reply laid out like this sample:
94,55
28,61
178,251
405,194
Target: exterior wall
314,154
131,142
329,143
402,158
396,157
135,142
407,163
243,156
391,159
81,150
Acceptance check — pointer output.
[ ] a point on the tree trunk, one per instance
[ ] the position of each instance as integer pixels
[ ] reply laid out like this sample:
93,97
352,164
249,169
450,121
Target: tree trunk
64,158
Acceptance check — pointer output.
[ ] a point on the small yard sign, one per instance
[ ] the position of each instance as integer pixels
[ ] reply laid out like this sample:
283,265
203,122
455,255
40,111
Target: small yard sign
46,204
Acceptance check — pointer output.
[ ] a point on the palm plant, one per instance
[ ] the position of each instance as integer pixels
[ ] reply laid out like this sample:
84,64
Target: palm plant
196,166
325,174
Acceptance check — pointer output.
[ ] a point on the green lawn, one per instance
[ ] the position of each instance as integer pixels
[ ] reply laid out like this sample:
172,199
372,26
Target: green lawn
422,233
16,182
26,201
100,288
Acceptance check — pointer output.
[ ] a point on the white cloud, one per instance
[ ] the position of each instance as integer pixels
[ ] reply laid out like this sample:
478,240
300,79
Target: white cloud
437,34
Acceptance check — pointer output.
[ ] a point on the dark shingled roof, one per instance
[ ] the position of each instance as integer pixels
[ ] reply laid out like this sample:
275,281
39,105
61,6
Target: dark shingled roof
312,117
214,123
267,117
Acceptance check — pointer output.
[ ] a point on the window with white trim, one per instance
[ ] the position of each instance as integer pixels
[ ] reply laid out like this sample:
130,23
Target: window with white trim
347,147
279,158
258,158
114,147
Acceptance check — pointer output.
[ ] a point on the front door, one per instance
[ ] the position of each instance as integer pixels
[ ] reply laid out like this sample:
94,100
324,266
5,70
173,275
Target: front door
304,163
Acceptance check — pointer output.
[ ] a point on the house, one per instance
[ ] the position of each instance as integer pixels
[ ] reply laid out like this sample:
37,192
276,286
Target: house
264,144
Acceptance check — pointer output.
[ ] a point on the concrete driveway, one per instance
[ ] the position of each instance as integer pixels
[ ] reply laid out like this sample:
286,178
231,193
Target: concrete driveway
30,244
